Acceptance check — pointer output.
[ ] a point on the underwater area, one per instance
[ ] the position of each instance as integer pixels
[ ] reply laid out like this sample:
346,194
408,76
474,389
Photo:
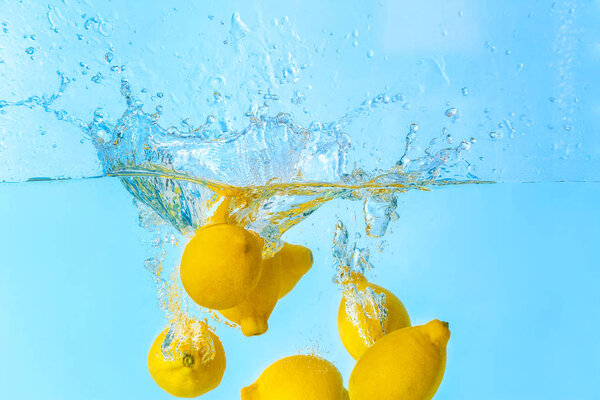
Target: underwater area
448,151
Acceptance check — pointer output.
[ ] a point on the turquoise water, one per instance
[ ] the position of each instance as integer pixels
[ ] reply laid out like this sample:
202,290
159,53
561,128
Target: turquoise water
383,114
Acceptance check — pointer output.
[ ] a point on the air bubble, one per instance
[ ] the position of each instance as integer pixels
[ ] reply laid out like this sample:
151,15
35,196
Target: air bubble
217,81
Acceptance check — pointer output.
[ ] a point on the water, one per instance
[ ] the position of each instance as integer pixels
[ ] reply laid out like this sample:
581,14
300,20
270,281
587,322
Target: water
339,138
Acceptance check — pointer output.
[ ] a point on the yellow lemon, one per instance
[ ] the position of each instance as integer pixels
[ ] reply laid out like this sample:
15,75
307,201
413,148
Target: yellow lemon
280,274
406,364
300,377
296,260
221,265
253,313
368,319
186,375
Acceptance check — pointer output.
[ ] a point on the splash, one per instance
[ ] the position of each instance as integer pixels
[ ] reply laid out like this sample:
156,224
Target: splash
274,172
251,156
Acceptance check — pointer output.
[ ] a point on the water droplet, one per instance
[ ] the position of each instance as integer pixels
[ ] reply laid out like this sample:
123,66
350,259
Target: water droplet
507,52
370,53
108,56
97,78
159,95
465,91
355,43
88,23
355,33
451,112
495,135
30,50
33,37
80,36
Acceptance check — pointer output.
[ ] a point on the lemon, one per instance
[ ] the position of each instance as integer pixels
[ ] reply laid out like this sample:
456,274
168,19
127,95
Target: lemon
301,377
253,313
368,319
280,274
296,260
186,375
406,364
221,266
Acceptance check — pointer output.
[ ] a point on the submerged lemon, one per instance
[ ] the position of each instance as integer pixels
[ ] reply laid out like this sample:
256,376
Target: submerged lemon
406,364
280,274
186,375
253,313
296,260
221,266
370,324
300,377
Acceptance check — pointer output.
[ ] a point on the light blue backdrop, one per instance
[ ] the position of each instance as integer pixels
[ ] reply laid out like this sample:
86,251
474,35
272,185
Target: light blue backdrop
513,268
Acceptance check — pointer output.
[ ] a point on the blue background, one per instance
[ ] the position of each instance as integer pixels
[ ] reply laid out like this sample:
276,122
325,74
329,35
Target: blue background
512,266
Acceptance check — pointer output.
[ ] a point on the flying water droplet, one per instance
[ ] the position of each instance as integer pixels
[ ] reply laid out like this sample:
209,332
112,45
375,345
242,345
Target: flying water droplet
451,112
495,135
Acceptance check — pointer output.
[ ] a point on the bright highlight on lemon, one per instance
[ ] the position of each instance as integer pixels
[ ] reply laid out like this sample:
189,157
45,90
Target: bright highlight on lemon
367,324
221,266
280,274
406,364
301,377
187,375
